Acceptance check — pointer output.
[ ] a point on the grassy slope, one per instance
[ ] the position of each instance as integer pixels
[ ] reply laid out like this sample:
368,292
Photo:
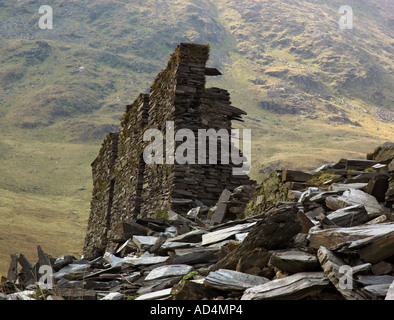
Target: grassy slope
53,115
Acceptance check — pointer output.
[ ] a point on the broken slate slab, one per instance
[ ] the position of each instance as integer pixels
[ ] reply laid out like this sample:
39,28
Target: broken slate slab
71,270
294,287
229,280
377,290
169,271
113,296
23,295
194,236
347,186
144,242
193,290
349,216
241,236
12,274
294,261
223,234
361,269
333,268
221,207
359,235
144,261
370,203
157,295
192,258
368,280
158,284
78,294
294,175
390,293
376,248
173,245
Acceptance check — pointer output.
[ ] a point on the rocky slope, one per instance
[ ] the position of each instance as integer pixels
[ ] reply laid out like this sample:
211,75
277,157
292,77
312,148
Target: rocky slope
332,239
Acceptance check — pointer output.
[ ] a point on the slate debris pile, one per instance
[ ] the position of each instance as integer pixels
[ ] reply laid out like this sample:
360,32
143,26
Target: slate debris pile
334,239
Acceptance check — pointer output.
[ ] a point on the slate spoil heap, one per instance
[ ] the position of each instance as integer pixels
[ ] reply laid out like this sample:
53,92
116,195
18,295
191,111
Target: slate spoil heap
333,239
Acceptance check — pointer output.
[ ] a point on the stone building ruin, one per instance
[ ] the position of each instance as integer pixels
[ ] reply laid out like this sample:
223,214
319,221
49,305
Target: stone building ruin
125,188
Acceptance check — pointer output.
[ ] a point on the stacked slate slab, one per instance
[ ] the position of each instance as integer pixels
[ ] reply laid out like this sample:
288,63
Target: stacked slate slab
126,188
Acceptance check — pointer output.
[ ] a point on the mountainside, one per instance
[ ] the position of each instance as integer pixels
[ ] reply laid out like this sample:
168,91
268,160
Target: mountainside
312,91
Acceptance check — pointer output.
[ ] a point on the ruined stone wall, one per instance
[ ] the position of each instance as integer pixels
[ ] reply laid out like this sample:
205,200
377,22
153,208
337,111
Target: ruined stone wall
101,204
175,95
205,182
125,187
129,165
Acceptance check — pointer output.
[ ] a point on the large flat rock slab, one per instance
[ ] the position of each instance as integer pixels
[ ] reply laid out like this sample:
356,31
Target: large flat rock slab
229,280
226,233
294,287
169,271
332,237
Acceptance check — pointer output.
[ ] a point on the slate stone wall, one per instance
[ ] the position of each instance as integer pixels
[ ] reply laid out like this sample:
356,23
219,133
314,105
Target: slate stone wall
125,187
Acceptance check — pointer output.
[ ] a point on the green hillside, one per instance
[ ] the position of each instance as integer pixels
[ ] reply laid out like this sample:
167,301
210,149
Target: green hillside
313,92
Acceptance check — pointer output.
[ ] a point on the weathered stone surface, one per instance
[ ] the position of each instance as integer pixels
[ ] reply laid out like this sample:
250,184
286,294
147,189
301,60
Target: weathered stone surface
385,154
389,198
359,235
127,229
331,265
374,280
144,242
391,166
334,203
144,261
272,232
377,290
12,274
382,268
294,287
173,245
72,271
113,296
23,295
349,216
229,280
347,186
359,197
294,261
378,187
379,248
221,207
358,164
226,233
206,256
192,290
169,271
297,176
77,294
390,292
361,269
194,236
158,284
164,294
380,219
